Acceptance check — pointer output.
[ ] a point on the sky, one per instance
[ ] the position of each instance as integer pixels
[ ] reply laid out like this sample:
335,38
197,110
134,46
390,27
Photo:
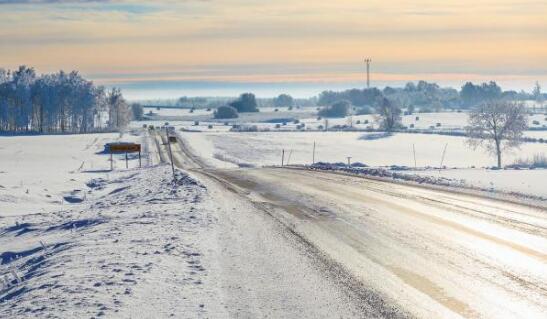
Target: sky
155,49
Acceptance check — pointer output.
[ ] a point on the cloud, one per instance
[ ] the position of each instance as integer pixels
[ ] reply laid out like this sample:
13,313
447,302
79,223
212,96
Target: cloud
52,1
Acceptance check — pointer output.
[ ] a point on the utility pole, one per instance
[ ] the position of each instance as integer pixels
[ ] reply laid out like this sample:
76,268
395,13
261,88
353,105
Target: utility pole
170,152
368,61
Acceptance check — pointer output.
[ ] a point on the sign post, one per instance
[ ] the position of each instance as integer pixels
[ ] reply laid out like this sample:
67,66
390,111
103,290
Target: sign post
120,148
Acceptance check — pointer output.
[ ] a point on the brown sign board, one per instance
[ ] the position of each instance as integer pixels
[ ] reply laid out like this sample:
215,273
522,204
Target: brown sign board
125,148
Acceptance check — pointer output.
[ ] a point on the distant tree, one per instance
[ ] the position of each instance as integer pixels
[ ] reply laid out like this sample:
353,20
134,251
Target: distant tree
389,90
537,93
58,102
356,97
245,103
337,109
473,95
283,100
226,112
497,126
119,112
137,111
389,114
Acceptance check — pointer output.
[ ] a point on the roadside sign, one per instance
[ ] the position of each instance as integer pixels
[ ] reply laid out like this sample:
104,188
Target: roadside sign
124,148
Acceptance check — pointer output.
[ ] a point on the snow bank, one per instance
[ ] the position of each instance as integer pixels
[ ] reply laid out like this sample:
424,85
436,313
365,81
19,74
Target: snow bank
103,256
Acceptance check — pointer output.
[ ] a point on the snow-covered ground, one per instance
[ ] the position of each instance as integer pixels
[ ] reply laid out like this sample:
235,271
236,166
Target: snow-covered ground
36,172
532,182
141,246
258,149
374,149
291,120
176,111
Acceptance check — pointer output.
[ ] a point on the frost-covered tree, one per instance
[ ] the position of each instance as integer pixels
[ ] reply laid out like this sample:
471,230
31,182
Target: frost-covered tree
337,109
245,103
59,102
497,126
537,93
389,114
283,100
138,111
119,112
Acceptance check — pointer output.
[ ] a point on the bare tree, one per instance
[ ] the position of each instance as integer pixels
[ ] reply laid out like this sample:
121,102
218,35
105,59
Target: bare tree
389,114
497,126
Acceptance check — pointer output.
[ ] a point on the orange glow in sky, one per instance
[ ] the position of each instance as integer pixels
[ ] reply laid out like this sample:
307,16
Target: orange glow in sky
262,41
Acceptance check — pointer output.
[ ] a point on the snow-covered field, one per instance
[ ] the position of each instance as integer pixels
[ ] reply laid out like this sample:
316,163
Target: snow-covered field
37,172
176,111
259,149
374,149
283,120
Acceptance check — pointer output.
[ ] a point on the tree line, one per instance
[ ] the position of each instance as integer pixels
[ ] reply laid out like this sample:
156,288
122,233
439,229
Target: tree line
58,103
428,97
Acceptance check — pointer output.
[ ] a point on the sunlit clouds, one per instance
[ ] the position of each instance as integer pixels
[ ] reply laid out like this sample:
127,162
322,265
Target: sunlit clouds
281,41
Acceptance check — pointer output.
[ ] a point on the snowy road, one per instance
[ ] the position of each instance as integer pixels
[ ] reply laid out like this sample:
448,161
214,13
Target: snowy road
431,253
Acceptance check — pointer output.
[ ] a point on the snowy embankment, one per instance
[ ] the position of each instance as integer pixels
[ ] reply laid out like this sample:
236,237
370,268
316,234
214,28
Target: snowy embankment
492,183
124,250
461,162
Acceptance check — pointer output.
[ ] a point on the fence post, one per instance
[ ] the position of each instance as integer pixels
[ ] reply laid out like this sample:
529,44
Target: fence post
313,157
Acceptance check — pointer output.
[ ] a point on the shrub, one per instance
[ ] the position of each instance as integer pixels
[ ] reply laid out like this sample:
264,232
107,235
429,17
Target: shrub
245,103
338,109
226,112
210,126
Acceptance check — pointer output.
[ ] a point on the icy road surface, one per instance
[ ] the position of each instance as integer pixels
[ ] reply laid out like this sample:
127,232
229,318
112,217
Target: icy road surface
436,254
432,253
